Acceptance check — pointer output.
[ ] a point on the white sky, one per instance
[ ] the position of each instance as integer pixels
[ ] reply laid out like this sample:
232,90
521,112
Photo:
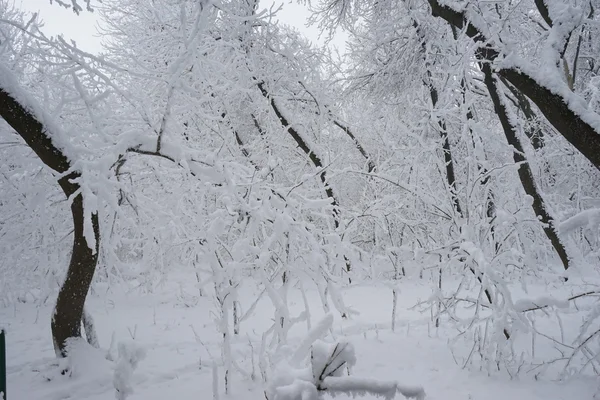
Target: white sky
59,20
82,28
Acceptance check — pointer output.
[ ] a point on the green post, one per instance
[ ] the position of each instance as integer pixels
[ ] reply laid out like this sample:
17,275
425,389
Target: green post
2,364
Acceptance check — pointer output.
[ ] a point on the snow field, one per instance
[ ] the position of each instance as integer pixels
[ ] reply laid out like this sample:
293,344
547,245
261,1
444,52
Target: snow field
181,346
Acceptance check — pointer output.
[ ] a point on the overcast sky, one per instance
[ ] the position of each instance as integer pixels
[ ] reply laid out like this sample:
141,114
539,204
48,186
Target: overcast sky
59,20
82,28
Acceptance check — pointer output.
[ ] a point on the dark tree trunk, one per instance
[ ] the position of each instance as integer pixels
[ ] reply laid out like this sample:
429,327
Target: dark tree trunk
370,164
433,93
314,158
448,160
345,128
66,321
579,132
68,314
525,174
90,329
533,130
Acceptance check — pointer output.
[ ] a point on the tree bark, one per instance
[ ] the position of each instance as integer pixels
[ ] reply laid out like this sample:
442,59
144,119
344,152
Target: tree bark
314,158
68,313
370,164
448,160
555,107
433,93
533,130
525,174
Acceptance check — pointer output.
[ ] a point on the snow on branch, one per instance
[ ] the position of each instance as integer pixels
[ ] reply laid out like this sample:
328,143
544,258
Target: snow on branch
525,305
75,6
585,219
319,331
564,109
35,126
364,386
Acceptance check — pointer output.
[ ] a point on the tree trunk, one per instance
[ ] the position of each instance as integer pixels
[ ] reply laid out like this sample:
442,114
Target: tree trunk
314,158
557,108
533,131
433,93
68,314
370,163
90,329
448,160
66,321
525,174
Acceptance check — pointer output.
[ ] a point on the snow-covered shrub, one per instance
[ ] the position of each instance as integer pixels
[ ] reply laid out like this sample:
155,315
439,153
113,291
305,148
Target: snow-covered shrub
130,354
84,361
327,371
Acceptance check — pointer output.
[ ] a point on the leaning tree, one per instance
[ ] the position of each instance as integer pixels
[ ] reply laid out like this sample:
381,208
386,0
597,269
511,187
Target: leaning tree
22,49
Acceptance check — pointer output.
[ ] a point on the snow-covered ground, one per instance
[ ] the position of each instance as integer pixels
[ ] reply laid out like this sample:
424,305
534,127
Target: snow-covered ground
178,332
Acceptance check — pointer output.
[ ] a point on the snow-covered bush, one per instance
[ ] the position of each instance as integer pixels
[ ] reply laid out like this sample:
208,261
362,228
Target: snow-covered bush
89,365
327,371
130,354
